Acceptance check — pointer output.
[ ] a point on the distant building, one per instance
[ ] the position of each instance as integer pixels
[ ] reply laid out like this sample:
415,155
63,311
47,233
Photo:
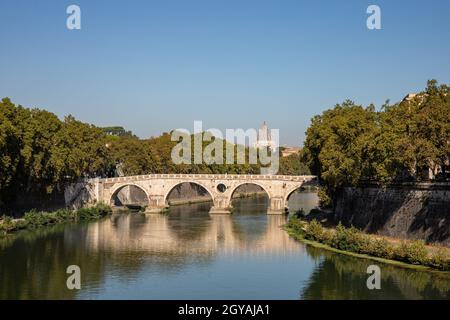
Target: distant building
410,97
264,139
287,151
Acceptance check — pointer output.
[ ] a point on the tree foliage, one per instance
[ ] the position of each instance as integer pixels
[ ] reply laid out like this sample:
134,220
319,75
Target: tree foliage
351,143
293,165
40,154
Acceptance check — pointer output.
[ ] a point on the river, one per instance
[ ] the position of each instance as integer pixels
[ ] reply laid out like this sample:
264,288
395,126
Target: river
188,254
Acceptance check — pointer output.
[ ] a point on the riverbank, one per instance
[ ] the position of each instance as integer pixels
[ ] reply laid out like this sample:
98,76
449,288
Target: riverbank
37,219
403,210
202,199
351,241
179,202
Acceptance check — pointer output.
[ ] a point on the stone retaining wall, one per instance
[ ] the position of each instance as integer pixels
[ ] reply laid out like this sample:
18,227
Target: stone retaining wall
410,211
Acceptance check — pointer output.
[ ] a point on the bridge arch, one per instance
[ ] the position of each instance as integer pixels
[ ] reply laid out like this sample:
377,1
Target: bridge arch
157,187
291,191
173,186
233,190
117,188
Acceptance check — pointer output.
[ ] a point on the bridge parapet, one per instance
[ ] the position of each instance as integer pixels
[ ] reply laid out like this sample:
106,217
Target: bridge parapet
211,176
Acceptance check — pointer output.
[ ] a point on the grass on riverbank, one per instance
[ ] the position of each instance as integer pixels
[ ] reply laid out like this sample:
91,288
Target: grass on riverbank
36,219
355,241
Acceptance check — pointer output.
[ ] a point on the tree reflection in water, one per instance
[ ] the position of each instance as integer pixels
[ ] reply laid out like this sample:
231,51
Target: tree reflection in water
246,255
344,277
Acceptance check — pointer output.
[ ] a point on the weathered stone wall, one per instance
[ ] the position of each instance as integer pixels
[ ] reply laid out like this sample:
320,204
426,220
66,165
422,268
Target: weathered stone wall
131,195
194,191
26,201
410,211
188,191
79,195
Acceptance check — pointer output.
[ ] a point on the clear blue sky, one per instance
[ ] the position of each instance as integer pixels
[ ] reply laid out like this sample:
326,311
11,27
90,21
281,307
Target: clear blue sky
152,66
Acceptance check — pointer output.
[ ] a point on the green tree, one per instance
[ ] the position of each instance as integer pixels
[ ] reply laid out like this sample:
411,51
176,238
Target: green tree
350,143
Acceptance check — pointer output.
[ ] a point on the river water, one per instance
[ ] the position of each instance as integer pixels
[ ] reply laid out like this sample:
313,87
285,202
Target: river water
188,254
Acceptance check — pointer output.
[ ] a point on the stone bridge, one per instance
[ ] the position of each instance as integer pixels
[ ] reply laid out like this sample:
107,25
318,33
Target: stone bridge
220,187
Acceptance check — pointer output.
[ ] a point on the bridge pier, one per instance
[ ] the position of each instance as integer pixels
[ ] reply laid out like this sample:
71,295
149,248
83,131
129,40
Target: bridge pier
156,204
219,211
155,210
222,206
276,206
158,186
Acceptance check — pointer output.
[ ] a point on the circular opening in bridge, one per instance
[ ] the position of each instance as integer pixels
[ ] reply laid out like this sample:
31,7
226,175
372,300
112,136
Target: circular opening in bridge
250,198
221,187
130,196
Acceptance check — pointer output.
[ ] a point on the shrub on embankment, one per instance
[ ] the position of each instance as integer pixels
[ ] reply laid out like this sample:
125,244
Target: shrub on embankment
353,240
35,219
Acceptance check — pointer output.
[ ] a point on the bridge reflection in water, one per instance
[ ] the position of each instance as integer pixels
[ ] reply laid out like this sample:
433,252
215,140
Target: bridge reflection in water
205,234
188,254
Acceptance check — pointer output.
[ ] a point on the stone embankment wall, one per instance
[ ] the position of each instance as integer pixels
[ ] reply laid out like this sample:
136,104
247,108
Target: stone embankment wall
78,195
409,211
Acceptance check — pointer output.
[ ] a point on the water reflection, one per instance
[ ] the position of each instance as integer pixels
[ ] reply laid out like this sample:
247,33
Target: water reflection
344,277
188,254
201,233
